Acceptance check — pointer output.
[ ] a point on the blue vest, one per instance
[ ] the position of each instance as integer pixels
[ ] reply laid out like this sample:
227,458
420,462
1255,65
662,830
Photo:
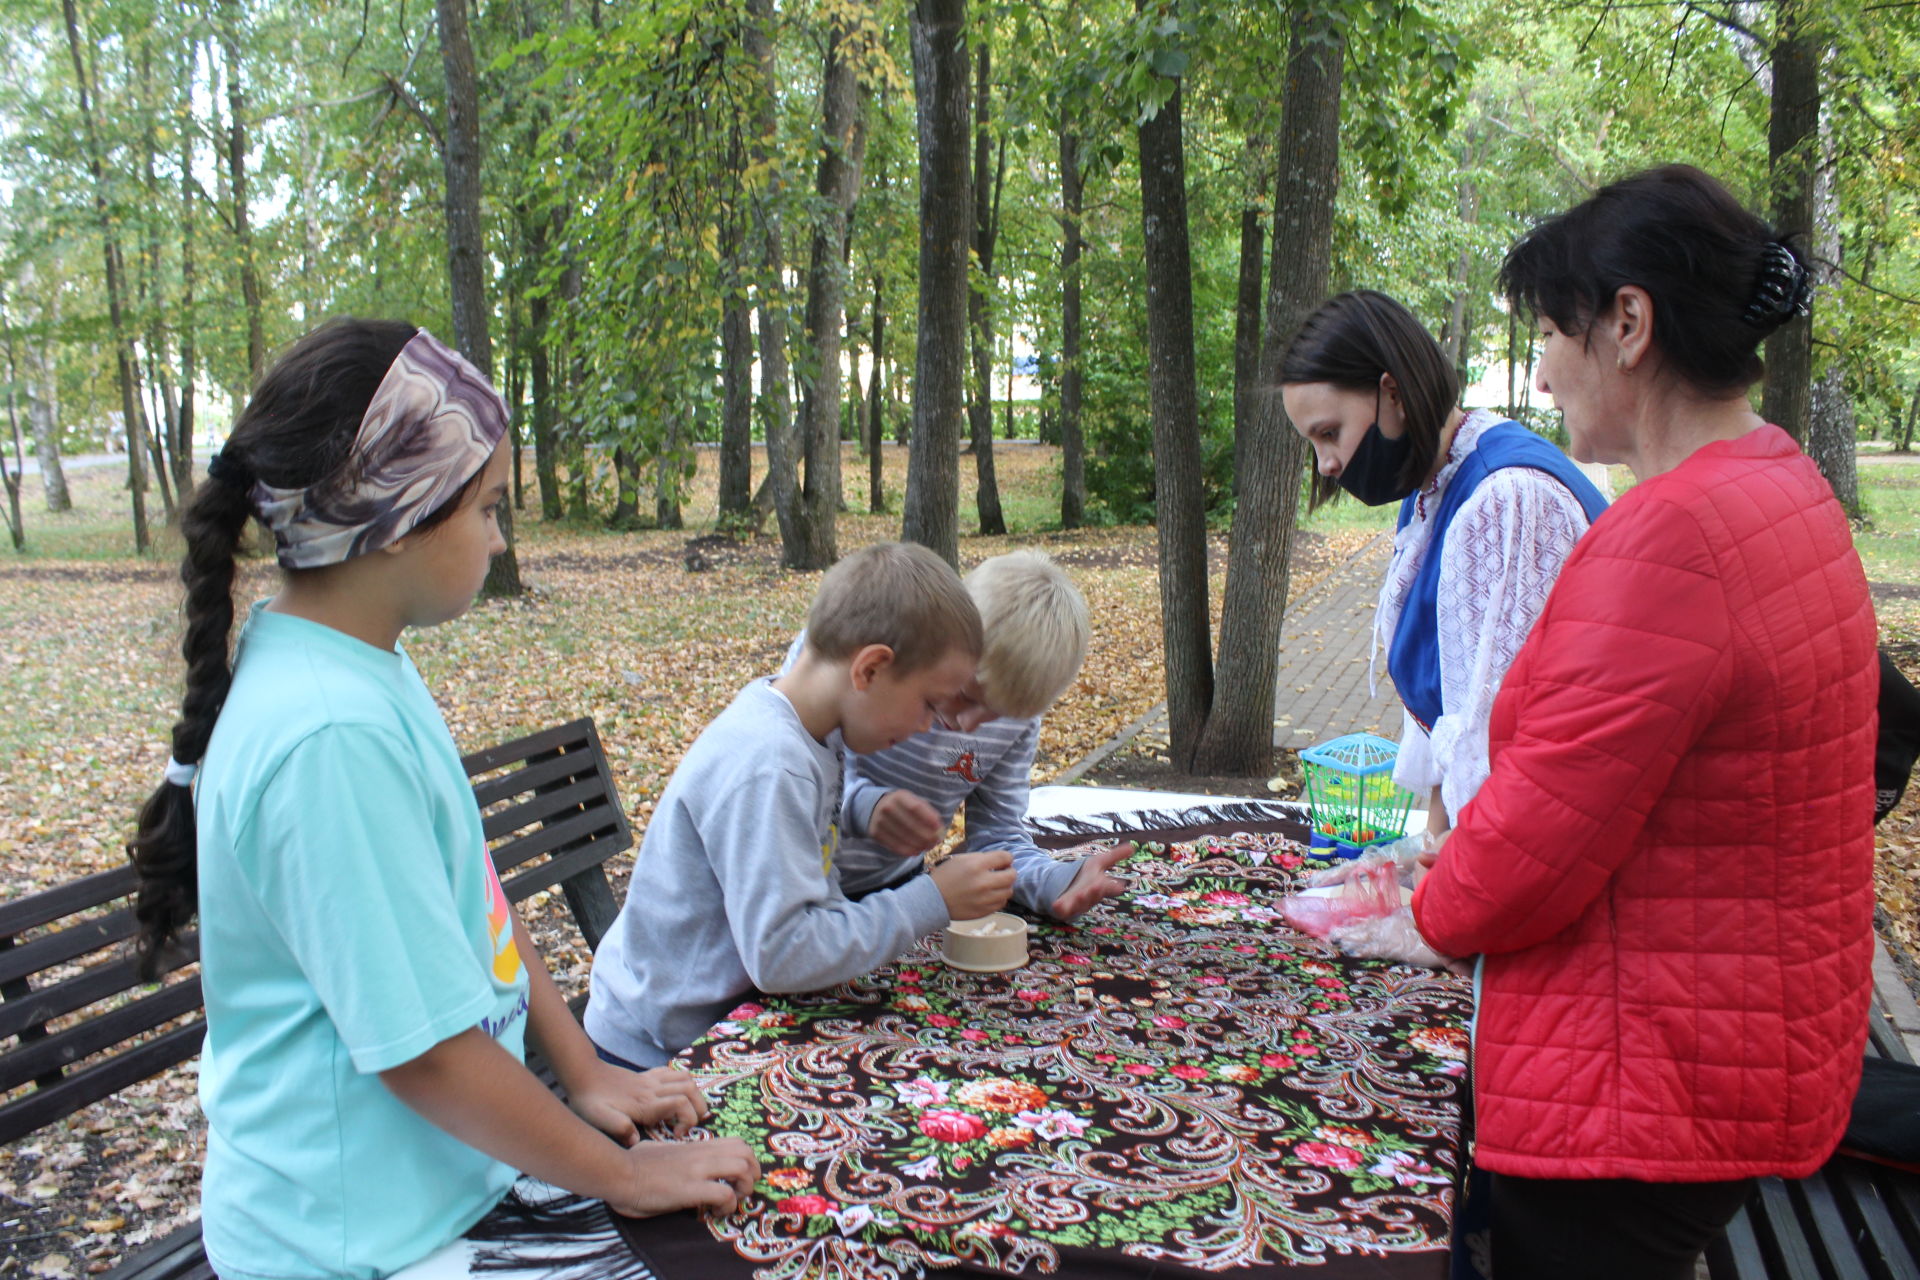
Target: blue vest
1413,658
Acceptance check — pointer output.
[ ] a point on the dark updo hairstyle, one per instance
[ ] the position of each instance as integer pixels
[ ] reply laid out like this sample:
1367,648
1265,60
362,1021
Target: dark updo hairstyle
296,431
1350,341
1719,277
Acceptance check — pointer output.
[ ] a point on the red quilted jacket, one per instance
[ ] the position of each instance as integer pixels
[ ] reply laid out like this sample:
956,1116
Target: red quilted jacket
1670,869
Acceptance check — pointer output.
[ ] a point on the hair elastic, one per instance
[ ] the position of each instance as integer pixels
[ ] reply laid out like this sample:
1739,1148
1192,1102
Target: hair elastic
181,775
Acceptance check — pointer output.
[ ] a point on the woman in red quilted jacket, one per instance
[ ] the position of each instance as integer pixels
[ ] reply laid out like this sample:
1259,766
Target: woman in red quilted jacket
1669,869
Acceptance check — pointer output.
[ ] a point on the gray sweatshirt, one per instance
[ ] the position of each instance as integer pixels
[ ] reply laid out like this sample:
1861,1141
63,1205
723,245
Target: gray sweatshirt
735,888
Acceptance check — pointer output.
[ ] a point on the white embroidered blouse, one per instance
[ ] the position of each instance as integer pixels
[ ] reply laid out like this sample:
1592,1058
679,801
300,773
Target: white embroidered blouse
1502,553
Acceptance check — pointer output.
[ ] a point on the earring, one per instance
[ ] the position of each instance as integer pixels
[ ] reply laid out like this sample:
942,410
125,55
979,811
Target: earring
1620,362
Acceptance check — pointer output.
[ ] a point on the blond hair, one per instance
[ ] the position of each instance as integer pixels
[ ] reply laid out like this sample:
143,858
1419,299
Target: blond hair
1037,631
898,594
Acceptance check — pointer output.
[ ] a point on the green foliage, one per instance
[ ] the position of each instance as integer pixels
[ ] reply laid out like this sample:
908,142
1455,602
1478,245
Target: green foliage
619,171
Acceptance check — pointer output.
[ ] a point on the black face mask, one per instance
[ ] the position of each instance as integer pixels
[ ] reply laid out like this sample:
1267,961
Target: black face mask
1372,474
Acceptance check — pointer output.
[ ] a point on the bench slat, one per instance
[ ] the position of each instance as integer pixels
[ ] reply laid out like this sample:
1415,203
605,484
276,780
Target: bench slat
1736,1255
36,909
45,1105
1790,1257
575,735
1839,1242
582,830
585,796
43,1004
68,944
570,767
1867,1204
48,1056
178,1255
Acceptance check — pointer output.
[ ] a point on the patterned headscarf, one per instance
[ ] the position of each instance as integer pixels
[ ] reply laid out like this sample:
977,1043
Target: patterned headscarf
433,423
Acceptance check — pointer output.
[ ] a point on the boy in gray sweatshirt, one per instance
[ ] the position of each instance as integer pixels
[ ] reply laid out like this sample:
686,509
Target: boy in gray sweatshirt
735,886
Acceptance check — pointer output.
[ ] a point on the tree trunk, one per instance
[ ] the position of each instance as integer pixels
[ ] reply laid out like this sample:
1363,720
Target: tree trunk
1239,732
1903,443
876,406
1792,146
666,486
1833,433
626,487
777,490
237,176
1073,466
736,395
151,300
837,179
986,209
46,451
1179,506
931,510
14,474
1246,337
189,279
546,471
466,243
133,419
1455,345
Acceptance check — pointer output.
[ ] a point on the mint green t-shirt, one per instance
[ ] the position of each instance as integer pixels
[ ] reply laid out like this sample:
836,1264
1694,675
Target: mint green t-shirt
350,920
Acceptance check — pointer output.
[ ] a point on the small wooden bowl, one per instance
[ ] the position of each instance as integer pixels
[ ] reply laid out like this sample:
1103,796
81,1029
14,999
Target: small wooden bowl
989,944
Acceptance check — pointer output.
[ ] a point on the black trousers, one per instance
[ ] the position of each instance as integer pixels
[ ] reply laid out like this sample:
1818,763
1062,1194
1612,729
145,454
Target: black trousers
1606,1228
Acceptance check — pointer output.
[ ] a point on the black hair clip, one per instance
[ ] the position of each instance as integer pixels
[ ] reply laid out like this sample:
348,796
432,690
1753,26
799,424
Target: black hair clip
1784,290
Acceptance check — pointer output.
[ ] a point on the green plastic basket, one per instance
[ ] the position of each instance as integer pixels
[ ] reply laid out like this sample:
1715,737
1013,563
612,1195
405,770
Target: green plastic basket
1350,788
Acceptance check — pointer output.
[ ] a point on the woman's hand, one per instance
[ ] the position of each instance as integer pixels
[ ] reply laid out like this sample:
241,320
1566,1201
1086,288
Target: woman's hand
1392,937
620,1103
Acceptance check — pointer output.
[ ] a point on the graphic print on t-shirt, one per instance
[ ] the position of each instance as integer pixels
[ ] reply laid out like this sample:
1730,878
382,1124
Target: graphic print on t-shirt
963,765
506,955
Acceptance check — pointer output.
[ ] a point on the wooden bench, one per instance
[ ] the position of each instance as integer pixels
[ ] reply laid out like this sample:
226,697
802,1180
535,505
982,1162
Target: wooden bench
1852,1220
77,1024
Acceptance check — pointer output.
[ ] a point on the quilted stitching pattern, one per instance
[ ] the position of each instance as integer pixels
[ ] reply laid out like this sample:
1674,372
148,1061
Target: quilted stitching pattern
1670,869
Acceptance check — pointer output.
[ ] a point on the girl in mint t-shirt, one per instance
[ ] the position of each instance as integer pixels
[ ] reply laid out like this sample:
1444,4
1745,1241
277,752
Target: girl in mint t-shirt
369,989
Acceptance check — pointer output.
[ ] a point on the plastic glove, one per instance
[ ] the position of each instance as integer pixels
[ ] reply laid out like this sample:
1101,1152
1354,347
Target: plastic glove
1390,937
1403,853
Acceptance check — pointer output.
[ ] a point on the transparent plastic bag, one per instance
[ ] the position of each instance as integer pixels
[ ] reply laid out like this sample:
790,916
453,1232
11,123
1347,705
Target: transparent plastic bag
1368,890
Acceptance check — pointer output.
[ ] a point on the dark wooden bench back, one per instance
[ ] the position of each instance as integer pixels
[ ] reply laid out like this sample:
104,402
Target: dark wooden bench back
77,1024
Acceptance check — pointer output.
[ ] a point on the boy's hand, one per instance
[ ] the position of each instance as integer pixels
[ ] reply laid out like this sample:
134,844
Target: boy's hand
975,884
904,823
619,1103
1091,885
665,1177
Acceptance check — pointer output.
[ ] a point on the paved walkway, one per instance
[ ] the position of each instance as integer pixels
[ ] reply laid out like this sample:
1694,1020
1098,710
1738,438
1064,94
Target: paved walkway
1320,691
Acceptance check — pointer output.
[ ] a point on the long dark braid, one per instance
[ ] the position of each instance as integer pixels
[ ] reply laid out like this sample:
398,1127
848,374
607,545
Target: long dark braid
297,430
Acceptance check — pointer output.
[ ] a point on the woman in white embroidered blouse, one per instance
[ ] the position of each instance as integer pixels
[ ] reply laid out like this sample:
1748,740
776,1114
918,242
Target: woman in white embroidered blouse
1490,511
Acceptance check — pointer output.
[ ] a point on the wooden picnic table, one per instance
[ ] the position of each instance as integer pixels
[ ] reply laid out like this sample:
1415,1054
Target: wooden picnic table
1179,1084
